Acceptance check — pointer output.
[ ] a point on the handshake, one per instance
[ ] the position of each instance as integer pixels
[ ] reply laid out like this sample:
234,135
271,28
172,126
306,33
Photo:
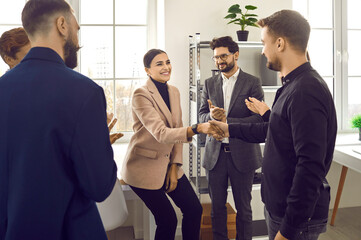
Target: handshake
216,129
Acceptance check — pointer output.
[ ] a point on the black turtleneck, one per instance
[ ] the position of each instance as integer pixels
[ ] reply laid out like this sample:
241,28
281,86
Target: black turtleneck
163,90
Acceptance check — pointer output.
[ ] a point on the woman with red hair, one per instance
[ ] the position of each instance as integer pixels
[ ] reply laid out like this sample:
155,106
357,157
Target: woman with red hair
14,45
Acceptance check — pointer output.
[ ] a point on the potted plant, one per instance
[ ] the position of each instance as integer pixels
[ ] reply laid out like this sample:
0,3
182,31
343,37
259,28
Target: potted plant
356,123
245,19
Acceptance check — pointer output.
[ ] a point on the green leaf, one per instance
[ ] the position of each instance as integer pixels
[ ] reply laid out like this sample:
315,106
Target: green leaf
234,21
253,25
356,121
250,7
234,9
250,15
231,15
252,20
243,21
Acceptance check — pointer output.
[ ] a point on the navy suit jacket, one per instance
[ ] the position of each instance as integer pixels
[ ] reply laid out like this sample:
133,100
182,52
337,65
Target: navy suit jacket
55,155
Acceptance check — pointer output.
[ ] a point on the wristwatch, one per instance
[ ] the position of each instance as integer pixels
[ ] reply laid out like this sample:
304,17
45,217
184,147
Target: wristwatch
194,128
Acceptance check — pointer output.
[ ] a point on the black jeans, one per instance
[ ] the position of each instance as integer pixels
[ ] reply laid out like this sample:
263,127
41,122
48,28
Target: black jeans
165,217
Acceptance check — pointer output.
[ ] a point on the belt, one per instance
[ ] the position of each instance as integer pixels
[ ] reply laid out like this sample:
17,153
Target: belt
225,147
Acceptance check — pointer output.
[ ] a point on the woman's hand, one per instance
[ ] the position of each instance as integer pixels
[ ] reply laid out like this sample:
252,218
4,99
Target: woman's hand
111,122
256,106
171,180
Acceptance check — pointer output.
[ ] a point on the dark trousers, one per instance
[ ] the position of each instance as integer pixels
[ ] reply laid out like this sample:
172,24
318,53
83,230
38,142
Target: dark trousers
241,188
309,231
165,217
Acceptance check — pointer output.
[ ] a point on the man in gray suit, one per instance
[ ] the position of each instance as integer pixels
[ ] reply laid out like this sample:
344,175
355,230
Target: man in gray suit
223,98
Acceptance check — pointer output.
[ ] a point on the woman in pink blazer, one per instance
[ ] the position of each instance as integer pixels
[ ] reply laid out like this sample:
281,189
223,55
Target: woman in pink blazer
153,163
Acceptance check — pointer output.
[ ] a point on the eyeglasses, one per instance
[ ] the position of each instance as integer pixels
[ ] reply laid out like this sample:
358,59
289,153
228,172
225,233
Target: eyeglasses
223,57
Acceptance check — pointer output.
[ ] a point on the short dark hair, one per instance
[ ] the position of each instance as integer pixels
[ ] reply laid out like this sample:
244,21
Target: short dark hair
12,41
290,25
226,41
150,55
36,14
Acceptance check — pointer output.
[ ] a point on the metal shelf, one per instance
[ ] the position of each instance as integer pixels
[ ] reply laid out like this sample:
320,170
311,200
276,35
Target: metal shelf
205,44
199,141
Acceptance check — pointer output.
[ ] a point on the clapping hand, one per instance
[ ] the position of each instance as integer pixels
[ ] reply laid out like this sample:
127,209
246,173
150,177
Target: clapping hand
111,122
256,106
216,112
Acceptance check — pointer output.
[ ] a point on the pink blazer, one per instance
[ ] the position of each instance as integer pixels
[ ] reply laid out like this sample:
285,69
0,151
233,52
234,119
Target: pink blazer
158,138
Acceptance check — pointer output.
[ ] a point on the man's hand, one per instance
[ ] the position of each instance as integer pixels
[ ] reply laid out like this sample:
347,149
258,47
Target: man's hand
256,106
216,112
114,137
109,118
222,126
210,130
111,122
171,180
280,237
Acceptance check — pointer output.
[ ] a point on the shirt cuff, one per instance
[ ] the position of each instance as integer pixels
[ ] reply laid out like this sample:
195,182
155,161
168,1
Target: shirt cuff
288,231
266,116
232,129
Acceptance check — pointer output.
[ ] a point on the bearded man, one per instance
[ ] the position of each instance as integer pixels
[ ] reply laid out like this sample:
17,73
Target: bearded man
55,154
231,160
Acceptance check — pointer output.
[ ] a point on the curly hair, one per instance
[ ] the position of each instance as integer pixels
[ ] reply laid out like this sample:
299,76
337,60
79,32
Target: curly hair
12,41
226,41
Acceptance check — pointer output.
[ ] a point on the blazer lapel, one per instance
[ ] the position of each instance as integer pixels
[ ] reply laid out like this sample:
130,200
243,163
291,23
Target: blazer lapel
219,92
237,88
160,102
173,100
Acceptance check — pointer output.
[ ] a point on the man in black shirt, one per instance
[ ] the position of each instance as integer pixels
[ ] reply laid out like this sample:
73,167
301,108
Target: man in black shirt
300,134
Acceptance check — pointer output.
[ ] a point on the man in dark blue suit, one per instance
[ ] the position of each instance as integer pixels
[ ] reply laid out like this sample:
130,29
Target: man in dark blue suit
55,155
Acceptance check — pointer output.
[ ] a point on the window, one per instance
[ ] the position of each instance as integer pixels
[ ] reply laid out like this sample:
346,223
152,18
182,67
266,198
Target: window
352,54
334,50
114,37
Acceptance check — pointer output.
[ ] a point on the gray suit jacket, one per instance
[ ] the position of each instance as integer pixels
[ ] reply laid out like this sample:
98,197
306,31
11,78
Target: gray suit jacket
246,156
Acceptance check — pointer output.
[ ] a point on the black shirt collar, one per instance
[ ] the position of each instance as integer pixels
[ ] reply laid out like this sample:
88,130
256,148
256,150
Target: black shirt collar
292,75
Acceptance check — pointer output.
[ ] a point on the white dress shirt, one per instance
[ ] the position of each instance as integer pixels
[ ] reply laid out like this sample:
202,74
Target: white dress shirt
227,87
